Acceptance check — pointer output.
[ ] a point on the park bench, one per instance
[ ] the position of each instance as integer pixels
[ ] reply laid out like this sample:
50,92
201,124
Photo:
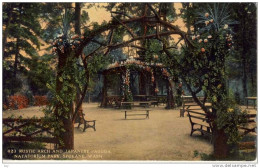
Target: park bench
162,99
245,128
250,98
135,104
137,113
188,102
87,123
249,125
200,122
154,103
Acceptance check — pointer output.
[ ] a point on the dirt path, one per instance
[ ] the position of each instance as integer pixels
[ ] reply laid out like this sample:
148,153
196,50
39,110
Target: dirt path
164,136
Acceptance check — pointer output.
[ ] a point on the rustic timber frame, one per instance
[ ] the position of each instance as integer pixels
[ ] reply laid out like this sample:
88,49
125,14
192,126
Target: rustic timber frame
28,130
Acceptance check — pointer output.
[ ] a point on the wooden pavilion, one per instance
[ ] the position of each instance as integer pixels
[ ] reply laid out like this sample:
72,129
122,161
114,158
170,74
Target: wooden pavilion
136,80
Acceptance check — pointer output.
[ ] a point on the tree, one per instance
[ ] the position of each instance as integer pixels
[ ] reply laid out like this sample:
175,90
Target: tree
202,69
69,48
245,35
21,31
241,63
201,66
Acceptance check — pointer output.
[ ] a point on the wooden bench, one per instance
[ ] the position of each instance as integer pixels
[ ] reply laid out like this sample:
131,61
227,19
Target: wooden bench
200,122
250,98
135,104
188,102
87,123
126,104
162,99
135,113
249,125
154,103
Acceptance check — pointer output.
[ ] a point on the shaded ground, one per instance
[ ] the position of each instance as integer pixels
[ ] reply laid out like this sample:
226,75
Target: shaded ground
164,136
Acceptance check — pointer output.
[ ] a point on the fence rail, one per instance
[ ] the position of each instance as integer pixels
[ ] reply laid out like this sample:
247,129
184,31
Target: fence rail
24,130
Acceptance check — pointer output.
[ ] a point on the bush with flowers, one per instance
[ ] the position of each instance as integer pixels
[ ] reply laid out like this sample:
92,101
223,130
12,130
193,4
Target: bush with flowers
202,69
40,100
126,87
17,102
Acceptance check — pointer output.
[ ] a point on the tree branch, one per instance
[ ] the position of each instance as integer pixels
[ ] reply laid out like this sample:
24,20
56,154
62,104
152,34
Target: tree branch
121,13
179,41
140,38
154,11
90,54
110,37
204,108
98,42
198,90
205,98
127,28
139,47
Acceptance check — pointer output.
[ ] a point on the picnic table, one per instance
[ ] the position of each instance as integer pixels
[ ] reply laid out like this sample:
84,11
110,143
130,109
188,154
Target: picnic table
250,98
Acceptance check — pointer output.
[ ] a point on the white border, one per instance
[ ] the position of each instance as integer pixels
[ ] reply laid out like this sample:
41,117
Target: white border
115,164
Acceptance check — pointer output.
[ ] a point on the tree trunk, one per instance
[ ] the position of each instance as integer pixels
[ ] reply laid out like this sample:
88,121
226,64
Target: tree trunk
77,18
244,61
77,31
221,149
244,79
104,92
68,136
142,89
17,51
6,31
170,98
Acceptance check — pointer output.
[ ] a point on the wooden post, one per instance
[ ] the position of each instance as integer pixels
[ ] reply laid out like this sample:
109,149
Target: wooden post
104,92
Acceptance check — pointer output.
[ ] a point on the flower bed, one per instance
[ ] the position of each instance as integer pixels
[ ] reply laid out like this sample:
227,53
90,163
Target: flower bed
18,102
40,100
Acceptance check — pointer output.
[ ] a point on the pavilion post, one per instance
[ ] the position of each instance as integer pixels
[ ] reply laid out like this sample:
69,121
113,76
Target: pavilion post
142,78
170,98
104,92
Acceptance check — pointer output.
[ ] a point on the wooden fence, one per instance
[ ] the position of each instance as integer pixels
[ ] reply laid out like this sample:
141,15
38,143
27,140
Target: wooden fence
25,130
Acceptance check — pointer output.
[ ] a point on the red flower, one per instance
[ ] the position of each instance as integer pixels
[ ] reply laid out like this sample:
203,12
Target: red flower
17,102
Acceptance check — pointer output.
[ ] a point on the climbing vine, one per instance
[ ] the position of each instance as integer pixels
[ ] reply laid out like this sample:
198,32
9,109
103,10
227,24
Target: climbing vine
212,43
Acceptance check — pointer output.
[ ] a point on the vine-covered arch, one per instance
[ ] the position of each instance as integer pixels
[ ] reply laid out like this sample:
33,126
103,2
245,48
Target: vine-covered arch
69,49
201,66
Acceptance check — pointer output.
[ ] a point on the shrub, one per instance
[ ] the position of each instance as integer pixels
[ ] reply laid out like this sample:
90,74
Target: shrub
17,102
40,100
5,107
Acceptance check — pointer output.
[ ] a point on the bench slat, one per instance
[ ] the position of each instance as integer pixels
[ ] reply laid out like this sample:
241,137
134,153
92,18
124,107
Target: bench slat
135,114
197,113
146,113
204,119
